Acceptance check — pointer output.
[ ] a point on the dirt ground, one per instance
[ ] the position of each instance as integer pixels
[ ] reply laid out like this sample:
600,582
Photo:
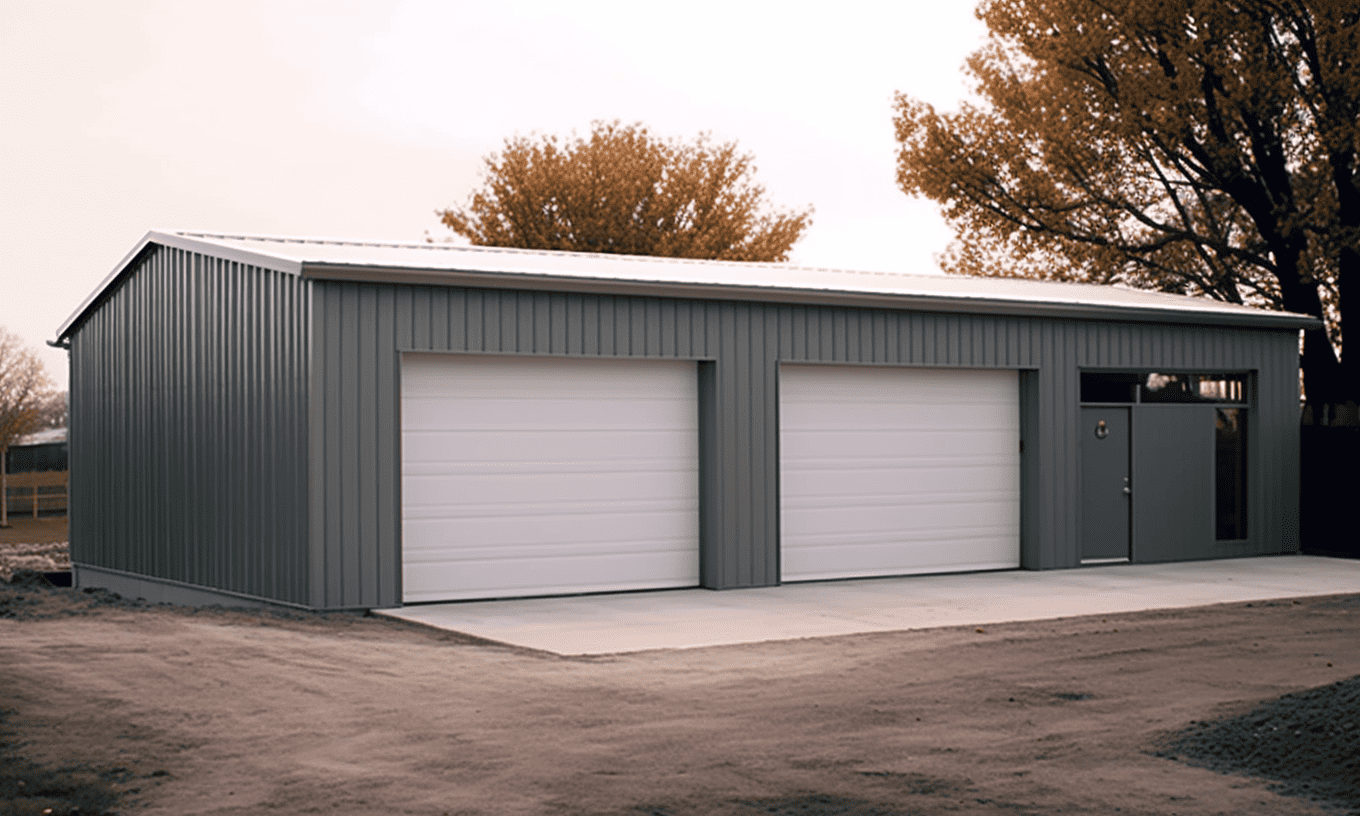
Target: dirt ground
26,529
166,710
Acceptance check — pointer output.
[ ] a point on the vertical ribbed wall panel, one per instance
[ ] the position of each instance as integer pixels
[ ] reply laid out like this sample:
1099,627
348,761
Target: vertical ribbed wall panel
208,395
361,329
188,428
1272,422
1273,444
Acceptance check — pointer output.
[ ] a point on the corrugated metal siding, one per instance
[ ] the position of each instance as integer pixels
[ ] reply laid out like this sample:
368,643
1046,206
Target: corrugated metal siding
1273,421
1273,447
238,428
188,427
360,329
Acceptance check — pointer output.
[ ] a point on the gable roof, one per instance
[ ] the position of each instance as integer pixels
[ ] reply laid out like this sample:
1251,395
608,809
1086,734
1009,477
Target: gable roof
451,265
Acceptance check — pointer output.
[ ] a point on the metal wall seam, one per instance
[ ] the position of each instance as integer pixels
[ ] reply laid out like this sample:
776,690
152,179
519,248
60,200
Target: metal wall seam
318,353
769,566
348,396
387,398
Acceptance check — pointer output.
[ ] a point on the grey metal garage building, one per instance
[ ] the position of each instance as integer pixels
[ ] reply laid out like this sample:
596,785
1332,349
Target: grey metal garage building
334,424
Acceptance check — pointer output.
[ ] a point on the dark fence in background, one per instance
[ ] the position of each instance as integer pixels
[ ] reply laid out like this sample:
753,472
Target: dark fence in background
36,458
1329,490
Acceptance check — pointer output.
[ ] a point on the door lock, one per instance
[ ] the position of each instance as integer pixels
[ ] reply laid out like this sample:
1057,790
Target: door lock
1128,491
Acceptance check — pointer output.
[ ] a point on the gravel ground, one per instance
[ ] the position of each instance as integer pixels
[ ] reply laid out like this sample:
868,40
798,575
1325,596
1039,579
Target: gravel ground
1307,742
39,557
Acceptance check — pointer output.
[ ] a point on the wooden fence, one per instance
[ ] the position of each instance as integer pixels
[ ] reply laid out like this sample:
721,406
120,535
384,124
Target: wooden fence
36,492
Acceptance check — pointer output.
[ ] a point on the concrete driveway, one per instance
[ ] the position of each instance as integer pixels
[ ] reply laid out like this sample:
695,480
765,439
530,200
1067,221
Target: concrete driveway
688,618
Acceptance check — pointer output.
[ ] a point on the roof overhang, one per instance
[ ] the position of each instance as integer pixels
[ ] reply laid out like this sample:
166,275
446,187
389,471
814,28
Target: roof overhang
1252,318
530,270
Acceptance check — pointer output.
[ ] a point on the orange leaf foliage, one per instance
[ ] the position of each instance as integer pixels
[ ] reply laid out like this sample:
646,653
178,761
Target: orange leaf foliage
623,191
1205,147
24,389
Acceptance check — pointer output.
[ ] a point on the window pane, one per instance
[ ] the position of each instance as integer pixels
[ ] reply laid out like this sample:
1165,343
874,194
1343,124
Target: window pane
1194,388
1109,386
1230,468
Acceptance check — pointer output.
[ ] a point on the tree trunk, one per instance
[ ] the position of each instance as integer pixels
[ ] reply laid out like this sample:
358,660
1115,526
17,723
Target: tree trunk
1323,384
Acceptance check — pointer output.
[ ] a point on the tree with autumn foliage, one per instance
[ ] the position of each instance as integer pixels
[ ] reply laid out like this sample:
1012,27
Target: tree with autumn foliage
24,392
623,190
1203,147
24,389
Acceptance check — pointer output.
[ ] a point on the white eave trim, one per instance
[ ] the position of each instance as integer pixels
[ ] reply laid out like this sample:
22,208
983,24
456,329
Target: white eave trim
484,267
947,303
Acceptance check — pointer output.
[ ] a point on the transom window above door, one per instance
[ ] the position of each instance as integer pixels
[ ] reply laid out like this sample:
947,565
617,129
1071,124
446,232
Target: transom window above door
1154,387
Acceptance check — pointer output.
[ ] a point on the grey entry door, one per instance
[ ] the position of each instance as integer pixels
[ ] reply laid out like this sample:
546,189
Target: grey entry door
1105,489
1173,477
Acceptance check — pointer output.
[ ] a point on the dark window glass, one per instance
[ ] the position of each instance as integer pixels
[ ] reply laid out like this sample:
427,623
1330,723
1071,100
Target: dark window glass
1230,469
1107,386
1194,388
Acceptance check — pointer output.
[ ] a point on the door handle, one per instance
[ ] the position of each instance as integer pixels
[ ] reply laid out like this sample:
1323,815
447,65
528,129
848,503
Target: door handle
1128,491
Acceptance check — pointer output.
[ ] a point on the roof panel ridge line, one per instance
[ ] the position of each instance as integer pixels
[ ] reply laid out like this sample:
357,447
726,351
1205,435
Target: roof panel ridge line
372,260
1041,290
299,239
204,245
964,280
549,253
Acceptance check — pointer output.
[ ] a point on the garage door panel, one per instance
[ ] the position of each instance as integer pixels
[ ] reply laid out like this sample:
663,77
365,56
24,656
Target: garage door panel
545,576
565,488
929,511
889,445
510,526
863,419
894,471
833,556
481,415
516,466
927,531
532,476
870,470
566,551
567,558
922,558
823,531
571,449
942,390
894,484
498,375
509,539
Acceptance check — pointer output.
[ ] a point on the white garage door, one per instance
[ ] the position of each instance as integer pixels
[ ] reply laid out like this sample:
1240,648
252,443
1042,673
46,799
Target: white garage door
895,471
535,476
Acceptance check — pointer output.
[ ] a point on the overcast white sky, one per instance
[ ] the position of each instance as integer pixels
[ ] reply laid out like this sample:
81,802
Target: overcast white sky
358,118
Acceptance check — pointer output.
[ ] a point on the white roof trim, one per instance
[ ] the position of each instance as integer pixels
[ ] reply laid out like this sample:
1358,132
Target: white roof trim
448,264
179,240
